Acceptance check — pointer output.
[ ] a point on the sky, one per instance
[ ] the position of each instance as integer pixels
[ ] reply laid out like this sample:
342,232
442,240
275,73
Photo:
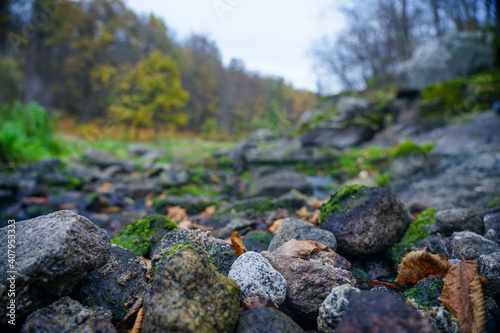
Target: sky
271,37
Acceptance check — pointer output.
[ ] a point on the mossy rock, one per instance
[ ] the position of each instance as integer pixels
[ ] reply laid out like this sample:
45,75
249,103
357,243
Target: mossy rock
257,240
426,292
142,236
408,148
334,204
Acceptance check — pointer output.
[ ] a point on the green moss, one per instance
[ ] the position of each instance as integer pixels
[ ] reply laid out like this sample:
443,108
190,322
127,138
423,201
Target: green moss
416,231
169,254
137,236
495,202
335,202
408,147
425,296
359,273
191,189
383,180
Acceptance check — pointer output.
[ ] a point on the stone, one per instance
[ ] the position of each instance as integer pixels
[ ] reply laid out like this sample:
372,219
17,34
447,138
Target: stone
53,253
426,292
138,149
170,175
101,158
331,258
387,290
333,307
491,219
488,266
300,230
256,277
281,182
308,284
442,320
266,320
257,240
67,315
381,312
220,253
469,245
347,137
114,286
445,58
188,294
349,107
451,220
365,220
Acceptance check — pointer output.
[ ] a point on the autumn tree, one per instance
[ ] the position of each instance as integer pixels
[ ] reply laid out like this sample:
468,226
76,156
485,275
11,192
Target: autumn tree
149,92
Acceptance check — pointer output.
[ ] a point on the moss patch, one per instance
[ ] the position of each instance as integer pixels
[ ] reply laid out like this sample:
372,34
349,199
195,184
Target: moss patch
137,236
335,202
408,147
426,294
169,254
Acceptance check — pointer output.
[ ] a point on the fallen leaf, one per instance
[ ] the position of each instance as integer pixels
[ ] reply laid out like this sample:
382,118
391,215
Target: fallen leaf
463,295
417,265
318,203
314,218
185,225
238,245
177,214
202,227
275,226
122,325
303,212
138,322
110,210
148,262
35,200
105,188
301,249
209,211
378,283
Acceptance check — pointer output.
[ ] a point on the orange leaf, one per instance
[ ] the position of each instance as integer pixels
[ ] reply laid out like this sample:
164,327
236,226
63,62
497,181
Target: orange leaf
463,296
209,211
314,219
177,214
417,265
378,283
301,249
238,245
186,225
275,226
303,212
138,322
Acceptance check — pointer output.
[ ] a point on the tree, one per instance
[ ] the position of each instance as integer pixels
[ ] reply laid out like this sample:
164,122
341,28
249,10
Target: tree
148,94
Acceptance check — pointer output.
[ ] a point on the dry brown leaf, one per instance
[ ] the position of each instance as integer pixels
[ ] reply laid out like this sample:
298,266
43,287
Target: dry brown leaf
148,262
177,214
318,203
275,226
315,218
301,249
110,210
67,206
185,225
209,211
35,200
138,322
238,245
202,227
131,313
303,212
105,188
463,295
417,265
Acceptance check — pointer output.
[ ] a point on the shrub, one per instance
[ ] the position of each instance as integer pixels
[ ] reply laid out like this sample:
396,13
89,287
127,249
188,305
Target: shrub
26,134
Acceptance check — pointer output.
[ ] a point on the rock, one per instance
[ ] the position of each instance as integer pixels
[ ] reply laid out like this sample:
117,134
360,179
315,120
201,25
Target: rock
262,134
53,253
300,230
469,245
331,258
488,266
138,149
349,136
308,284
351,107
142,236
442,320
257,240
220,253
491,219
380,312
333,307
235,222
281,182
67,315
387,290
256,277
426,292
101,158
114,286
445,58
110,172
266,320
364,220
192,204
451,220
42,167
170,175
188,294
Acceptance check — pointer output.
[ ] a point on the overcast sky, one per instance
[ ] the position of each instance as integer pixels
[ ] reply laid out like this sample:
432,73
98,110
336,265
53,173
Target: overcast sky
272,37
